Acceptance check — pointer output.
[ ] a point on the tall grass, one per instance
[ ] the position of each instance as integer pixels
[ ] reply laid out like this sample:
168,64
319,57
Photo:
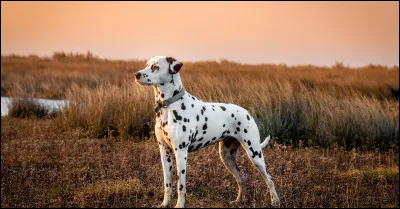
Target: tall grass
322,106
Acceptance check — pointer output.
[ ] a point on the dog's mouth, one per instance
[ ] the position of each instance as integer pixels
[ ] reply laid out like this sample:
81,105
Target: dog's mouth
143,83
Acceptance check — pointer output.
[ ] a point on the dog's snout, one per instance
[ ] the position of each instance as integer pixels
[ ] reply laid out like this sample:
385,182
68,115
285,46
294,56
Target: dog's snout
137,75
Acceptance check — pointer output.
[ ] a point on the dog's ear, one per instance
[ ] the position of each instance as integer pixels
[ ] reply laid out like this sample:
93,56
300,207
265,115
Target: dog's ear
170,60
174,65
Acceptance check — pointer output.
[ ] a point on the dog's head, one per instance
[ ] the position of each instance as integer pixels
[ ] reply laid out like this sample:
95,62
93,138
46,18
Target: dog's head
158,70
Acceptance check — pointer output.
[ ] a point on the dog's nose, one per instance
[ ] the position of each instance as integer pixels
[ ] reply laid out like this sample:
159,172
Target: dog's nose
137,75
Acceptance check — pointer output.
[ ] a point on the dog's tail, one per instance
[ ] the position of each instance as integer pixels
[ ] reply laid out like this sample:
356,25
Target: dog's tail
265,142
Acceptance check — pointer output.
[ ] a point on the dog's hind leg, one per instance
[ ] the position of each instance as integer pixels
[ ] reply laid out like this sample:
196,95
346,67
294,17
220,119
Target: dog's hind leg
253,149
227,151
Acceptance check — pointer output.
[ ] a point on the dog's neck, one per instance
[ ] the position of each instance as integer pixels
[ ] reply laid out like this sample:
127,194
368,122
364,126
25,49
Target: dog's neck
166,90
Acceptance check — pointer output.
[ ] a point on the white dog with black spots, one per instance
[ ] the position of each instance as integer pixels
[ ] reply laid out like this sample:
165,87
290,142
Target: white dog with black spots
185,124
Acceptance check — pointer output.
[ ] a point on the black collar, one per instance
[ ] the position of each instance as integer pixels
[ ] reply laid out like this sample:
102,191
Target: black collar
169,101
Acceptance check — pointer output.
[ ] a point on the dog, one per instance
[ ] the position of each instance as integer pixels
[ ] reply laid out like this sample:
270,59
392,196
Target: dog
186,124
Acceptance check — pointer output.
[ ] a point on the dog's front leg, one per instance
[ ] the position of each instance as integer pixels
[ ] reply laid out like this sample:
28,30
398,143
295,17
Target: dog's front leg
181,158
166,161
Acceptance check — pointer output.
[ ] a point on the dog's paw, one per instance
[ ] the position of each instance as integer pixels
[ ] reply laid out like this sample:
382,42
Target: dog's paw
179,206
276,202
162,205
234,202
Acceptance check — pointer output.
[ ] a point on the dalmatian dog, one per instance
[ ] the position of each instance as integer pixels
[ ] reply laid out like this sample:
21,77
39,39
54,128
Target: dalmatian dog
186,124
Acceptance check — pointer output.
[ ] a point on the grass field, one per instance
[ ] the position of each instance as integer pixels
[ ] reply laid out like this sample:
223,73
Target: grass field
335,134
45,166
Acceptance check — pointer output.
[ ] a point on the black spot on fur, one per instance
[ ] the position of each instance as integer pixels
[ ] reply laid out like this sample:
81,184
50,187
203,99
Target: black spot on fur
201,138
183,171
184,120
245,130
175,93
237,129
197,118
223,125
213,109
162,84
255,153
249,143
198,146
193,98
181,187
207,143
235,132
174,121
204,132
190,148
248,117
214,138
170,167
184,128
233,115
202,112
223,108
183,106
177,117
192,105
239,123
205,126
162,95
169,159
206,119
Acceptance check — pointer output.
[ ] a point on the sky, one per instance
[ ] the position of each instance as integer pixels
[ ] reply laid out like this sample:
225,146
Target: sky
292,33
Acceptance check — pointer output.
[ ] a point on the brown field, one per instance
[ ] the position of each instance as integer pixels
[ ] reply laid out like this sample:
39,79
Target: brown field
45,166
341,125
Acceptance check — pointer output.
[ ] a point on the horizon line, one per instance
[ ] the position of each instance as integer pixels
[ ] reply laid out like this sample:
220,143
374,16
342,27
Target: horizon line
336,62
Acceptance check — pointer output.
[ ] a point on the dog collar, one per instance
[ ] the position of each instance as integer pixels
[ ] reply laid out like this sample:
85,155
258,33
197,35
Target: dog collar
169,101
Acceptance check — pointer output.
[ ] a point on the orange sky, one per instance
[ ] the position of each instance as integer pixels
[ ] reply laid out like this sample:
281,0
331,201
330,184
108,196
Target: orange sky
320,33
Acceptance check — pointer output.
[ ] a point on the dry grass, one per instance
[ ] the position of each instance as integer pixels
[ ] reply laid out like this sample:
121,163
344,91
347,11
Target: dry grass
43,165
61,162
322,106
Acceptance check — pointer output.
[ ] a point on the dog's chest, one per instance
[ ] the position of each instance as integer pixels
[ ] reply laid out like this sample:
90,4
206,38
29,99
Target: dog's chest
179,119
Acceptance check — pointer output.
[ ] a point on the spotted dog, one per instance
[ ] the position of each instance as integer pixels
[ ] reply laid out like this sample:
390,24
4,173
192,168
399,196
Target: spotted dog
186,124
